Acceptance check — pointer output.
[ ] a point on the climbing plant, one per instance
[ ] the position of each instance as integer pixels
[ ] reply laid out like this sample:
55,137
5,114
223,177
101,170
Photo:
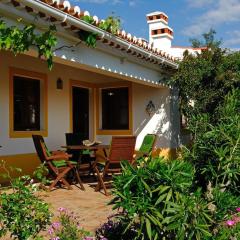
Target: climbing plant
19,40
111,24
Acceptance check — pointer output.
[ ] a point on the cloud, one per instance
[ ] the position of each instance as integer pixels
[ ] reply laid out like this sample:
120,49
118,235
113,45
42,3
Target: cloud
224,11
92,1
114,2
100,1
199,3
234,40
132,3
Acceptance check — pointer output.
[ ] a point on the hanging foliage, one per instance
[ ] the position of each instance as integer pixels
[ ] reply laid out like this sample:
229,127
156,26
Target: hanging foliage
111,24
19,40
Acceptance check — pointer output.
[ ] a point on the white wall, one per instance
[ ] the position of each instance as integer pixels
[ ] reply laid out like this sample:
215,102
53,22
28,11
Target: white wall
59,105
178,51
164,122
58,101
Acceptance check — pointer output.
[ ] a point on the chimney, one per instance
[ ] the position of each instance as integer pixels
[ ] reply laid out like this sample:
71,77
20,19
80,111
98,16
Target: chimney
160,34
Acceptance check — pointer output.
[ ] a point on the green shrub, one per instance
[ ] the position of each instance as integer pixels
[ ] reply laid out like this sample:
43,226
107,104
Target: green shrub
156,199
229,228
225,202
216,149
191,219
67,227
22,213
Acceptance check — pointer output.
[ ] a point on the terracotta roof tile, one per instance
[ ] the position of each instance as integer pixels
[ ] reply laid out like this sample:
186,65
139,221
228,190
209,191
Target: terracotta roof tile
75,11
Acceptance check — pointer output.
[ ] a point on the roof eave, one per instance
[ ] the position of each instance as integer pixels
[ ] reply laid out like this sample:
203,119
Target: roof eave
67,18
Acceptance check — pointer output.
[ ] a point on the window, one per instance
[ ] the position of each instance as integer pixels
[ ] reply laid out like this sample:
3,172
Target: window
27,103
115,111
114,114
26,92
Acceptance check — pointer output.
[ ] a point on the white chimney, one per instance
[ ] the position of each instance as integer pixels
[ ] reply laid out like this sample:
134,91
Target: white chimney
160,34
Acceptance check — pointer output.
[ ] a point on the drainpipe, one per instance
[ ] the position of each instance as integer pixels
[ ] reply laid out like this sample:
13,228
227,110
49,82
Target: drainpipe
63,17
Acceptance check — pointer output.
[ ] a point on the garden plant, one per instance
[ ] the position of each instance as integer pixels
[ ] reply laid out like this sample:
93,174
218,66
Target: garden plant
67,227
23,214
195,196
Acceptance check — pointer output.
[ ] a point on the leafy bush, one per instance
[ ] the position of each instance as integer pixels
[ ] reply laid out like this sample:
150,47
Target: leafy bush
67,227
225,202
22,212
229,229
156,199
216,149
206,78
191,218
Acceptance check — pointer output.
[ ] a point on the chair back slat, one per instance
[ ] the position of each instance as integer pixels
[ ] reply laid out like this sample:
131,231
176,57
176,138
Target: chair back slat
122,148
37,140
148,143
74,138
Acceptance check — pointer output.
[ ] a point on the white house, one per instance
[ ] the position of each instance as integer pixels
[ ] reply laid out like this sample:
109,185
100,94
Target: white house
102,91
161,36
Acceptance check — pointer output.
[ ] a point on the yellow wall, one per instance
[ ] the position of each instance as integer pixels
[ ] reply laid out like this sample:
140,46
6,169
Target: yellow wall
27,162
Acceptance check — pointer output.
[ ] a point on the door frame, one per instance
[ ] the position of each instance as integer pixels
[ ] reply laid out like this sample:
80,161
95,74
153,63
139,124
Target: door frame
92,104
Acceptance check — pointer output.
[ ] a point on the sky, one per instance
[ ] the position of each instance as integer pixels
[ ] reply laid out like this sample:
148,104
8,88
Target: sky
188,18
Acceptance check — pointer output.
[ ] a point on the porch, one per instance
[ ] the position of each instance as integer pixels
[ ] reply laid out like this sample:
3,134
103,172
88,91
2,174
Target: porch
59,113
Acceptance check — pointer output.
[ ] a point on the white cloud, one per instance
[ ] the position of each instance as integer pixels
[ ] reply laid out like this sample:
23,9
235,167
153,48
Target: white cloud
92,1
132,3
233,40
100,1
114,2
199,3
225,11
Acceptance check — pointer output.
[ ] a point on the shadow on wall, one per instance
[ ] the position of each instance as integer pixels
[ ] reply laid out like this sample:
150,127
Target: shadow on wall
164,122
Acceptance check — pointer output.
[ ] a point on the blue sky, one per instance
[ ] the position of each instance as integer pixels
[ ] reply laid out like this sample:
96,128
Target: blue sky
188,18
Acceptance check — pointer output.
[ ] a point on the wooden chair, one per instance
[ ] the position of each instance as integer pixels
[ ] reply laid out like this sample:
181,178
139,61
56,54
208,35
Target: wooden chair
122,148
147,146
57,162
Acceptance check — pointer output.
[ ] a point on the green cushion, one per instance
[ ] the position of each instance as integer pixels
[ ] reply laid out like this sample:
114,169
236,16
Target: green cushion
62,163
47,150
147,143
86,152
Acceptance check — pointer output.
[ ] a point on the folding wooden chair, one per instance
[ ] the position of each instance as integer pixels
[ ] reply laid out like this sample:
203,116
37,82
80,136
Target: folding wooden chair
147,146
57,162
122,148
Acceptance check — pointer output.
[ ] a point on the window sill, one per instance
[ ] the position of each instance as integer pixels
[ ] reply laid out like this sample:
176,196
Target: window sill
27,134
114,132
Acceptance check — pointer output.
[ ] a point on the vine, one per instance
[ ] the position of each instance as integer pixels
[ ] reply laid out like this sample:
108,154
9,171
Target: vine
19,40
111,24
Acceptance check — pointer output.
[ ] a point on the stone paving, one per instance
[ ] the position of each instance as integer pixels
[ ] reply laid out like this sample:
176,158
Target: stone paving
90,206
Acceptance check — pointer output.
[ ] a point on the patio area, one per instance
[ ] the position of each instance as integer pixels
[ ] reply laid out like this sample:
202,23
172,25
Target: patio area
90,206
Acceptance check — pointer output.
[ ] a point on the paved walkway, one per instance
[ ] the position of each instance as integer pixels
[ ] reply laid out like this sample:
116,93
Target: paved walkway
90,206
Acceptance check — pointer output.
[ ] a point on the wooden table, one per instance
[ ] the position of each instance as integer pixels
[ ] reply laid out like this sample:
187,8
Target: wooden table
94,148
83,147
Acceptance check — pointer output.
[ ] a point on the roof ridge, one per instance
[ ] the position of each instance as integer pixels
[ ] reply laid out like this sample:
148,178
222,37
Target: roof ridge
76,11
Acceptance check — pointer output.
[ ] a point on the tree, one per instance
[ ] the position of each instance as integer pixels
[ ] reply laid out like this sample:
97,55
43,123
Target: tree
209,40
205,79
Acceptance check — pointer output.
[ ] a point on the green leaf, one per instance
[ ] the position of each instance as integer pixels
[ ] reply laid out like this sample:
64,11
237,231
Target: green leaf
149,229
